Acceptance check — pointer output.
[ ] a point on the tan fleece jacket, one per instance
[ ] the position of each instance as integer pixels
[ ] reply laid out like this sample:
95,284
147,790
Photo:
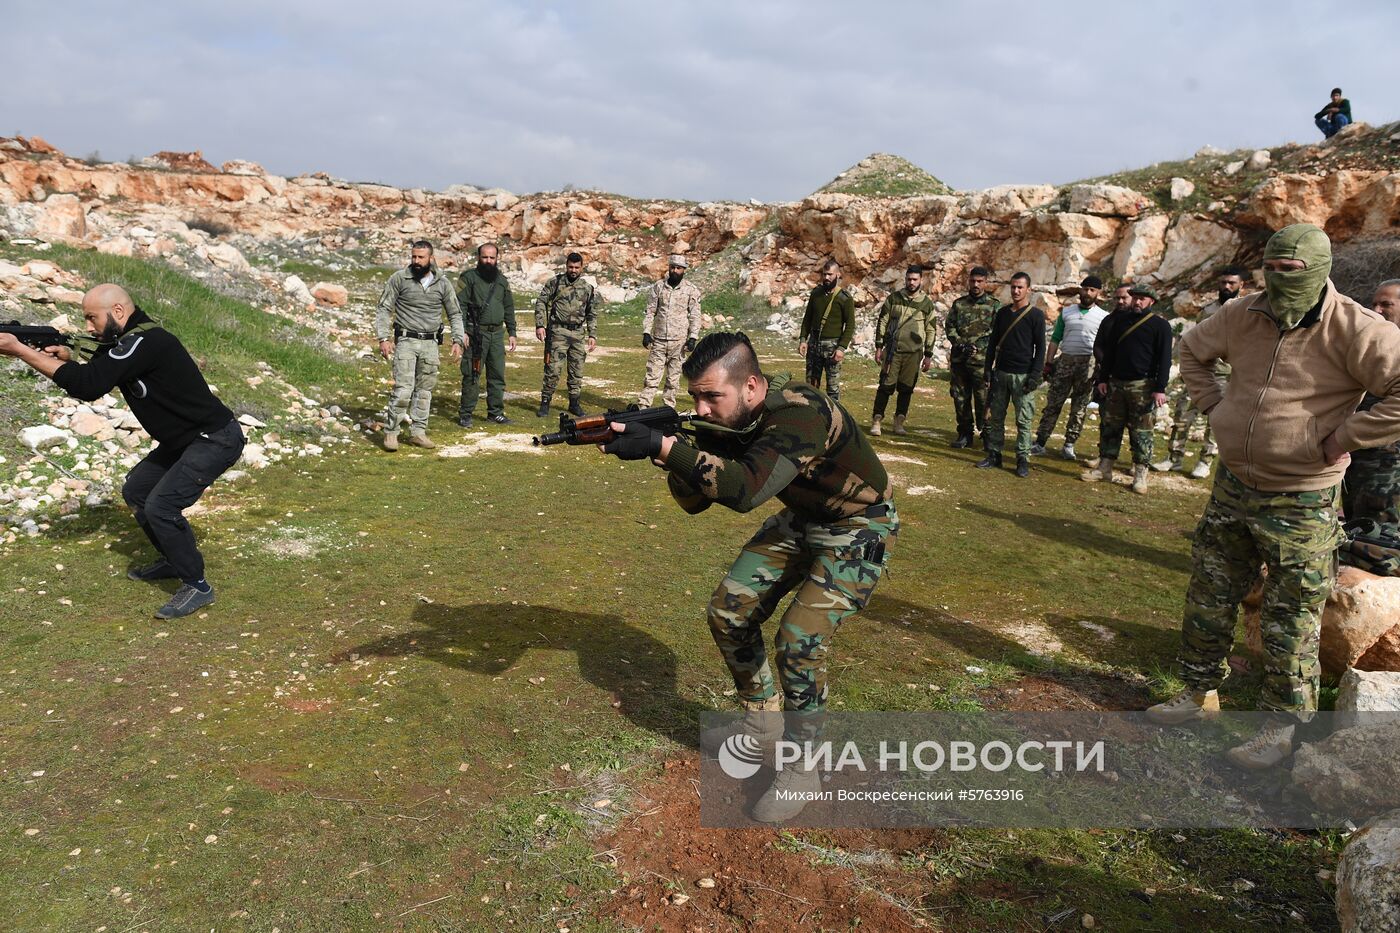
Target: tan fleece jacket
1287,392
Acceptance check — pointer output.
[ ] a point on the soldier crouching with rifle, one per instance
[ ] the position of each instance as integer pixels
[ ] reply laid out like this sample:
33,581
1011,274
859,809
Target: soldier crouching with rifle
758,437
197,436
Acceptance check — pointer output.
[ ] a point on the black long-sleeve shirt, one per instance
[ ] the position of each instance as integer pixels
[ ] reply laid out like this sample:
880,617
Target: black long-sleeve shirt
1144,353
157,377
1023,350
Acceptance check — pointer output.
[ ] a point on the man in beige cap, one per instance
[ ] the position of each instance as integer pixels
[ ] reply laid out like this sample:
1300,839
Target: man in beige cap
670,327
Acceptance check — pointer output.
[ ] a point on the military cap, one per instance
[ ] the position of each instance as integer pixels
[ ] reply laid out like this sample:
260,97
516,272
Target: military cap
678,260
1147,291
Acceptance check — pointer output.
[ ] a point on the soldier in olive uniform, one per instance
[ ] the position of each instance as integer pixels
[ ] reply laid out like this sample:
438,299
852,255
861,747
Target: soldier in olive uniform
670,327
969,332
827,329
566,315
904,332
488,311
408,324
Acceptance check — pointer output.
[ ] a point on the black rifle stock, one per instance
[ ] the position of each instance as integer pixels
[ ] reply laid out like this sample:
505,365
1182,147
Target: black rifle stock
597,429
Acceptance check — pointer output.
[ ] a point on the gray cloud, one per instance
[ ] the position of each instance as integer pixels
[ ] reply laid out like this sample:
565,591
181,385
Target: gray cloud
717,100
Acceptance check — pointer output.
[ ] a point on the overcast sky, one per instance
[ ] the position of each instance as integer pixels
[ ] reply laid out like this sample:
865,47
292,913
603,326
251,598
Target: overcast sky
704,100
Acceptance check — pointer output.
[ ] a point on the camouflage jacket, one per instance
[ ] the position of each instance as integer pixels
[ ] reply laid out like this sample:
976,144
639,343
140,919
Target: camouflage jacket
569,304
672,313
909,319
969,326
804,448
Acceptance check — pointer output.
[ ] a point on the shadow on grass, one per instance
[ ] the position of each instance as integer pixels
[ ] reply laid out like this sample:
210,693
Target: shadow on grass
1067,532
637,669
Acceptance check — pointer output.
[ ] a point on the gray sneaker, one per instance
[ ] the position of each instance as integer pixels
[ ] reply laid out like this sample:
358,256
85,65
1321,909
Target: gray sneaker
1037,450
1067,452
500,419
186,600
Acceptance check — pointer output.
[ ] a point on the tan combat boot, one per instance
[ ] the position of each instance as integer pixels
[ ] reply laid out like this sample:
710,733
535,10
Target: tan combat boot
1102,473
421,440
763,719
1140,478
797,785
1272,745
875,425
899,425
1187,706
391,441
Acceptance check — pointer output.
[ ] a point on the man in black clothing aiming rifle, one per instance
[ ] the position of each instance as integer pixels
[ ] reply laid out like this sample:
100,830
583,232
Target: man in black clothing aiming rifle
197,436
1136,364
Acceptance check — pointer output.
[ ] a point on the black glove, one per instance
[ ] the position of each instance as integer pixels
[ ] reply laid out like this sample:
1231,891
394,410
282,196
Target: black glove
646,340
690,345
1031,385
636,442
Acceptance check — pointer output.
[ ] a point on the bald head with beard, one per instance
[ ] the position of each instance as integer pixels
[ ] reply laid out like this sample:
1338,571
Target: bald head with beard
106,309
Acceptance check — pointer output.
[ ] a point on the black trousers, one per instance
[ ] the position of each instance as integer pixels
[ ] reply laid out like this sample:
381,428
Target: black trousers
159,490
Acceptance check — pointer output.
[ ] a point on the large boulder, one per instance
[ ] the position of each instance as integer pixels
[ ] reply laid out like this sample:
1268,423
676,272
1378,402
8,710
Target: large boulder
1368,878
1194,241
1140,251
328,293
43,436
296,289
1108,200
1353,771
1361,692
61,217
1360,623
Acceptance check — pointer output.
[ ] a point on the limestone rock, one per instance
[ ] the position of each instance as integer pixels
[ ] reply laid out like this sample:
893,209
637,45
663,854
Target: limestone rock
1360,622
1363,692
116,246
1182,189
227,256
62,218
87,424
43,437
1193,241
1141,249
1346,203
241,167
1233,168
1259,160
329,293
298,291
1368,878
1108,200
1352,771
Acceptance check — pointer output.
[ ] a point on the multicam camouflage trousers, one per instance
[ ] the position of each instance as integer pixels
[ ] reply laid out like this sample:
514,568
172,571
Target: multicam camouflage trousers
969,394
1072,380
1184,415
565,343
664,360
833,567
415,375
821,359
1371,488
1129,406
1295,536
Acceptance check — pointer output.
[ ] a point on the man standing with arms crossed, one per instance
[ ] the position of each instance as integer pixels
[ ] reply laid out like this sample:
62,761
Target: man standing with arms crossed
566,317
1184,414
763,437
904,334
969,330
1015,360
488,313
670,328
827,329
1302,356
409,326
1070,362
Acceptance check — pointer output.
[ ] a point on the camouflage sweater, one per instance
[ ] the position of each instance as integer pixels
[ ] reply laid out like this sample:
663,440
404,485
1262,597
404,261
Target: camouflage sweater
805,449
568,304
969,327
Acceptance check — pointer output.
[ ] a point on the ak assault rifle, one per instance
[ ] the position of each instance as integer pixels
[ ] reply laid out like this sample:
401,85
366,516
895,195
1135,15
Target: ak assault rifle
597,429
41,337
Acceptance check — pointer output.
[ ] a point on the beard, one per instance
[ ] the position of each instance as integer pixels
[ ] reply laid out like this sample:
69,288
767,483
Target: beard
673,279
488,273
417,271
1226,295
110,331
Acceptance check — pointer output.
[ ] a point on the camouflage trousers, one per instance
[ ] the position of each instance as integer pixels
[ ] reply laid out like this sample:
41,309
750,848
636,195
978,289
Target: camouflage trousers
565,344
1294,535
820,359
1014,390
832,567
1184,415
969,394
664,360
415,376
1129,406
1072,380
1371,488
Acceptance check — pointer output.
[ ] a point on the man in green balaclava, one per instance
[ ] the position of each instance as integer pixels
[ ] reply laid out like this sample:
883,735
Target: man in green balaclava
1302,357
